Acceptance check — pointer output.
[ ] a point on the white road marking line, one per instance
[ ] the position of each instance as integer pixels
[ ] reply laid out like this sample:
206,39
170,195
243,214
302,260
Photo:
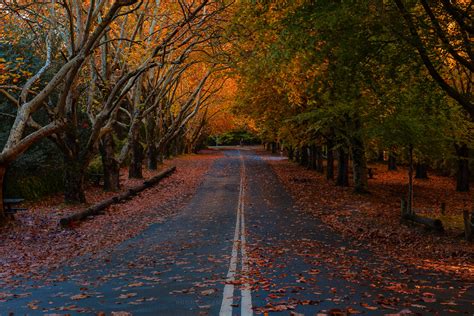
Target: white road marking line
239,237
246,303
228,296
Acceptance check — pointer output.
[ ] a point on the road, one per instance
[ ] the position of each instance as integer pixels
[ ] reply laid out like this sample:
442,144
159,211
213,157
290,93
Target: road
239,246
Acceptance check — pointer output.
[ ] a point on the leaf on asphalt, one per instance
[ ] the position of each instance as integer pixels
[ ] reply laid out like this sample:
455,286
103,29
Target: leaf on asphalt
79,296
136,284
127,295
33,305
369,307
208,292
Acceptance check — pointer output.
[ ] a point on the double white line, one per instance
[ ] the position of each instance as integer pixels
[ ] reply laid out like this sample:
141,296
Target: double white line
239,239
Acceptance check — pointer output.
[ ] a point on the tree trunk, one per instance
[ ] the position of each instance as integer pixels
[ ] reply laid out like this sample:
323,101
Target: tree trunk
110,164
463,173
410,181
421,171
291,153
3,216
152,157
330,161
359,166
304,156
135,168
73,180
151,150
380,155
273,147
312,157
297,155
342,168
319,159
392,161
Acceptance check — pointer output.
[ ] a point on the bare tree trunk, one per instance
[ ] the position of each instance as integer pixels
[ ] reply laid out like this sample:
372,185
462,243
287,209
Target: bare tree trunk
3,216
330,161
421,171
73,180
152,157
110,164
342,168
319,159
312,157
392,161
135,168
463,173
273,147
410,181
291,153
151,151
359,166
304,156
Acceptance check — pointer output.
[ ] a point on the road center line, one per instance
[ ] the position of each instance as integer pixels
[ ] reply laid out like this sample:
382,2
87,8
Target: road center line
239,238
246,303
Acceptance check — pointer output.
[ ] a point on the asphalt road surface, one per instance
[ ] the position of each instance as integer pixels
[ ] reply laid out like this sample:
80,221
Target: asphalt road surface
237,248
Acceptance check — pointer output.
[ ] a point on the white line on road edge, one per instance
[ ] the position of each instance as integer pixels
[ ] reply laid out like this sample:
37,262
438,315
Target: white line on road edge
239,237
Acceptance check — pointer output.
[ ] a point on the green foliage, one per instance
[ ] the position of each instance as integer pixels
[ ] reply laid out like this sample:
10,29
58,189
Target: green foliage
313,70
233,138
95,166
33,187
38,172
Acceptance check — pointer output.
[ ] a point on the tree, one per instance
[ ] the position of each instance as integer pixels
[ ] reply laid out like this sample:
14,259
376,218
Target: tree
69,44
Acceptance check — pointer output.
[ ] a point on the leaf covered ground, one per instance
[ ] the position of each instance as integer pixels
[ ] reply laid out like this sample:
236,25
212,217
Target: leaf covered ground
35,243
373,220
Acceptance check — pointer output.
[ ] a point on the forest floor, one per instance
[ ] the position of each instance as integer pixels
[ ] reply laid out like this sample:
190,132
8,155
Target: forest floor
34,243
373,220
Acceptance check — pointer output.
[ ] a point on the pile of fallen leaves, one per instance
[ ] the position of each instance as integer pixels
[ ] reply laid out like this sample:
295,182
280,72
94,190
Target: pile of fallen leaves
35,243
373,220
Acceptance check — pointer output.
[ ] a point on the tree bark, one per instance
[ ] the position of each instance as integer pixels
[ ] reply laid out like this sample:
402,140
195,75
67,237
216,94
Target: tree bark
152,157
298,155
135,168
380,155
359,166
110,164
312,157
73,180
151,150
392,161
330,165
342,168
304,156
319,159
273,147
463,173
3,216
410,181
291,153
421,171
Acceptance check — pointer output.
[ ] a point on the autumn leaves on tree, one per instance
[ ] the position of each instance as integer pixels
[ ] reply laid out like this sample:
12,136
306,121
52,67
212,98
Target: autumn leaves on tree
129,82
122,79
